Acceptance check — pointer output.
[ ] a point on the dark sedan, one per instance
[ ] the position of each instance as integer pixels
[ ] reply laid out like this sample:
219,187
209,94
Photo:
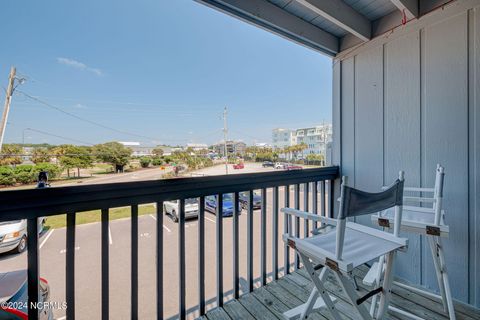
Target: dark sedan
266,164
243,199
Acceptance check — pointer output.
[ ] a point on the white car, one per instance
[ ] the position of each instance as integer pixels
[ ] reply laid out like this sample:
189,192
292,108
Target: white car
279,165
13,234
172,208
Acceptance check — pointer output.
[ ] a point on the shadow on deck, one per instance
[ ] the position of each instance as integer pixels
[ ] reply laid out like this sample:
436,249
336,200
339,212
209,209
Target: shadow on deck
271,301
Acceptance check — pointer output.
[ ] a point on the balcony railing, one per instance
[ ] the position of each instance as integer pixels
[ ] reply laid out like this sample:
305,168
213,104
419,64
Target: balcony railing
316,185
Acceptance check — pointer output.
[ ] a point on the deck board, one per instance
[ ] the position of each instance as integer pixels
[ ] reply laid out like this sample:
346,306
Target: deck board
271,301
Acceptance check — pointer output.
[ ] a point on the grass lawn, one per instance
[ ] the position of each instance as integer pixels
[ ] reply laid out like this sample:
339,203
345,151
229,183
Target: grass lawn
60,221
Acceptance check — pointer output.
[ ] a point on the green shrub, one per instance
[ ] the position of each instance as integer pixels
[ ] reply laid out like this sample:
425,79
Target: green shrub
145,162
157,161
7,177
25,177
53,170
24,173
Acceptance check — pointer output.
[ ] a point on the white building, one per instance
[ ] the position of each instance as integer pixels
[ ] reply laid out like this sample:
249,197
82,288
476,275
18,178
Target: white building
316,138
138,150
282,138
197,146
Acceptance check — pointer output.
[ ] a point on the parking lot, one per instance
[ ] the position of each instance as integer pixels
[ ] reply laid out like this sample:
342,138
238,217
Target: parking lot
88,267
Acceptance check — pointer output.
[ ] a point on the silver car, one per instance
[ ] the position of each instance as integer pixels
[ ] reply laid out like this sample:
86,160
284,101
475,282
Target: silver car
13,235
171,208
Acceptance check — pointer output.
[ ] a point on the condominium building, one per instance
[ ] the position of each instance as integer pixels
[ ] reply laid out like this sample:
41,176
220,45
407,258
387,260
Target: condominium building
282,138
316,138
234,148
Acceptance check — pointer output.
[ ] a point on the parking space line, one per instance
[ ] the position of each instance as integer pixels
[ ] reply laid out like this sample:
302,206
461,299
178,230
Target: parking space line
46,238
110,235
211,220
164,226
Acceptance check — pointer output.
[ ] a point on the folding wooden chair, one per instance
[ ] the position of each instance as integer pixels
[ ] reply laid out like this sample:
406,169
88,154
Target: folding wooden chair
429,221
346,246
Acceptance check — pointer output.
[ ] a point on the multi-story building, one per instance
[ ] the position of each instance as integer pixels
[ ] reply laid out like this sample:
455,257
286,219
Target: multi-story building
316,138
282,138
234,148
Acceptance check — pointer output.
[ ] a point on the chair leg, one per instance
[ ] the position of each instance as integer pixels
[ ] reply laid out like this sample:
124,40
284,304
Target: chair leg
381,261
387,286
318,282
438,270
352,296
446,284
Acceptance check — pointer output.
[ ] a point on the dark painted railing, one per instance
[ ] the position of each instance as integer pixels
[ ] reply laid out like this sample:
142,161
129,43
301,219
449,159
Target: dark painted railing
31,204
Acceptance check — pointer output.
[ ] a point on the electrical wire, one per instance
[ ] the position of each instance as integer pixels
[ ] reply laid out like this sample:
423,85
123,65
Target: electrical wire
57,136
84,119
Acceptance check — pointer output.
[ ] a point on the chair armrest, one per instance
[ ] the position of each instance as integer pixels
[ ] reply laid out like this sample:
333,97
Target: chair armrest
309,216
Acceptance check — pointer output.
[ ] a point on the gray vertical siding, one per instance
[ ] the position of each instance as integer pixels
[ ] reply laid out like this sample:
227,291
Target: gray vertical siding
408,103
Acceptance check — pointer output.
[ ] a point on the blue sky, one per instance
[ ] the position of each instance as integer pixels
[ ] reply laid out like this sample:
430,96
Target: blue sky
161,69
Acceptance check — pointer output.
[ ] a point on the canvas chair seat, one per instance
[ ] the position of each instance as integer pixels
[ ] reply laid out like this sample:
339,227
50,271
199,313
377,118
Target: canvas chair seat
413,221
359,246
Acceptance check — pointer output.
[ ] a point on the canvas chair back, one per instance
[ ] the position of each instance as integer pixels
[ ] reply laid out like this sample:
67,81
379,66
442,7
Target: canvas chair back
354,202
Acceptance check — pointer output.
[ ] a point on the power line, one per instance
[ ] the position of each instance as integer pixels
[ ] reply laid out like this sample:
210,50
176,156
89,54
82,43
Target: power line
57,136
84,119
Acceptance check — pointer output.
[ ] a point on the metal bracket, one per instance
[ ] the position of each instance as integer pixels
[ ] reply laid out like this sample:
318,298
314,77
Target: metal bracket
291,244
331,264
433,231
383,222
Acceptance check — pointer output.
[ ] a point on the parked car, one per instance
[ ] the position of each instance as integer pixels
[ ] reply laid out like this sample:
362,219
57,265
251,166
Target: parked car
171,208
239,166
266,164
14,300
279,165
13,235
293,167
211,204
243,199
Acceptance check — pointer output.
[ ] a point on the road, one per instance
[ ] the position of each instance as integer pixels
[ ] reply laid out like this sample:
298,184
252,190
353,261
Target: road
88,257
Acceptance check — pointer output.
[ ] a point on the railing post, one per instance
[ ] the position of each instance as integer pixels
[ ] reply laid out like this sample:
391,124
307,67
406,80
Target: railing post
181,259
315,201
201,256
305,208
33,268
105,265
263,236
286,248
219,240
250,241
275,233
134,263
296,203
236,284
70,266
159,257
331,197
323,198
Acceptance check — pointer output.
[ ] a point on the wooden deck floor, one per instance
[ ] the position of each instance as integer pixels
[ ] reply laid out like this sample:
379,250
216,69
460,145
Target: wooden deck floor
271,301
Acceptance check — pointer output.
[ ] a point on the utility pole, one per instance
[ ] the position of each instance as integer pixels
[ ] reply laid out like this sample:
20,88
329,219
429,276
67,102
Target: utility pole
225,131
6,108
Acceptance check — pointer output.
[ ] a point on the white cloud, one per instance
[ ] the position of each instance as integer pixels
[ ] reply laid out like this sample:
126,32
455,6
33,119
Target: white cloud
79,65
80,106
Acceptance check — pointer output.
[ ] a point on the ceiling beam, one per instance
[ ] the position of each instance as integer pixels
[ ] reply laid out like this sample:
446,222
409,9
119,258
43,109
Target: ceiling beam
410,7
274,19
342,15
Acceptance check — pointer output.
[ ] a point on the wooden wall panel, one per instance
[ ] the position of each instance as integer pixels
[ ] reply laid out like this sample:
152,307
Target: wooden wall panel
445,140
402,131
369,122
